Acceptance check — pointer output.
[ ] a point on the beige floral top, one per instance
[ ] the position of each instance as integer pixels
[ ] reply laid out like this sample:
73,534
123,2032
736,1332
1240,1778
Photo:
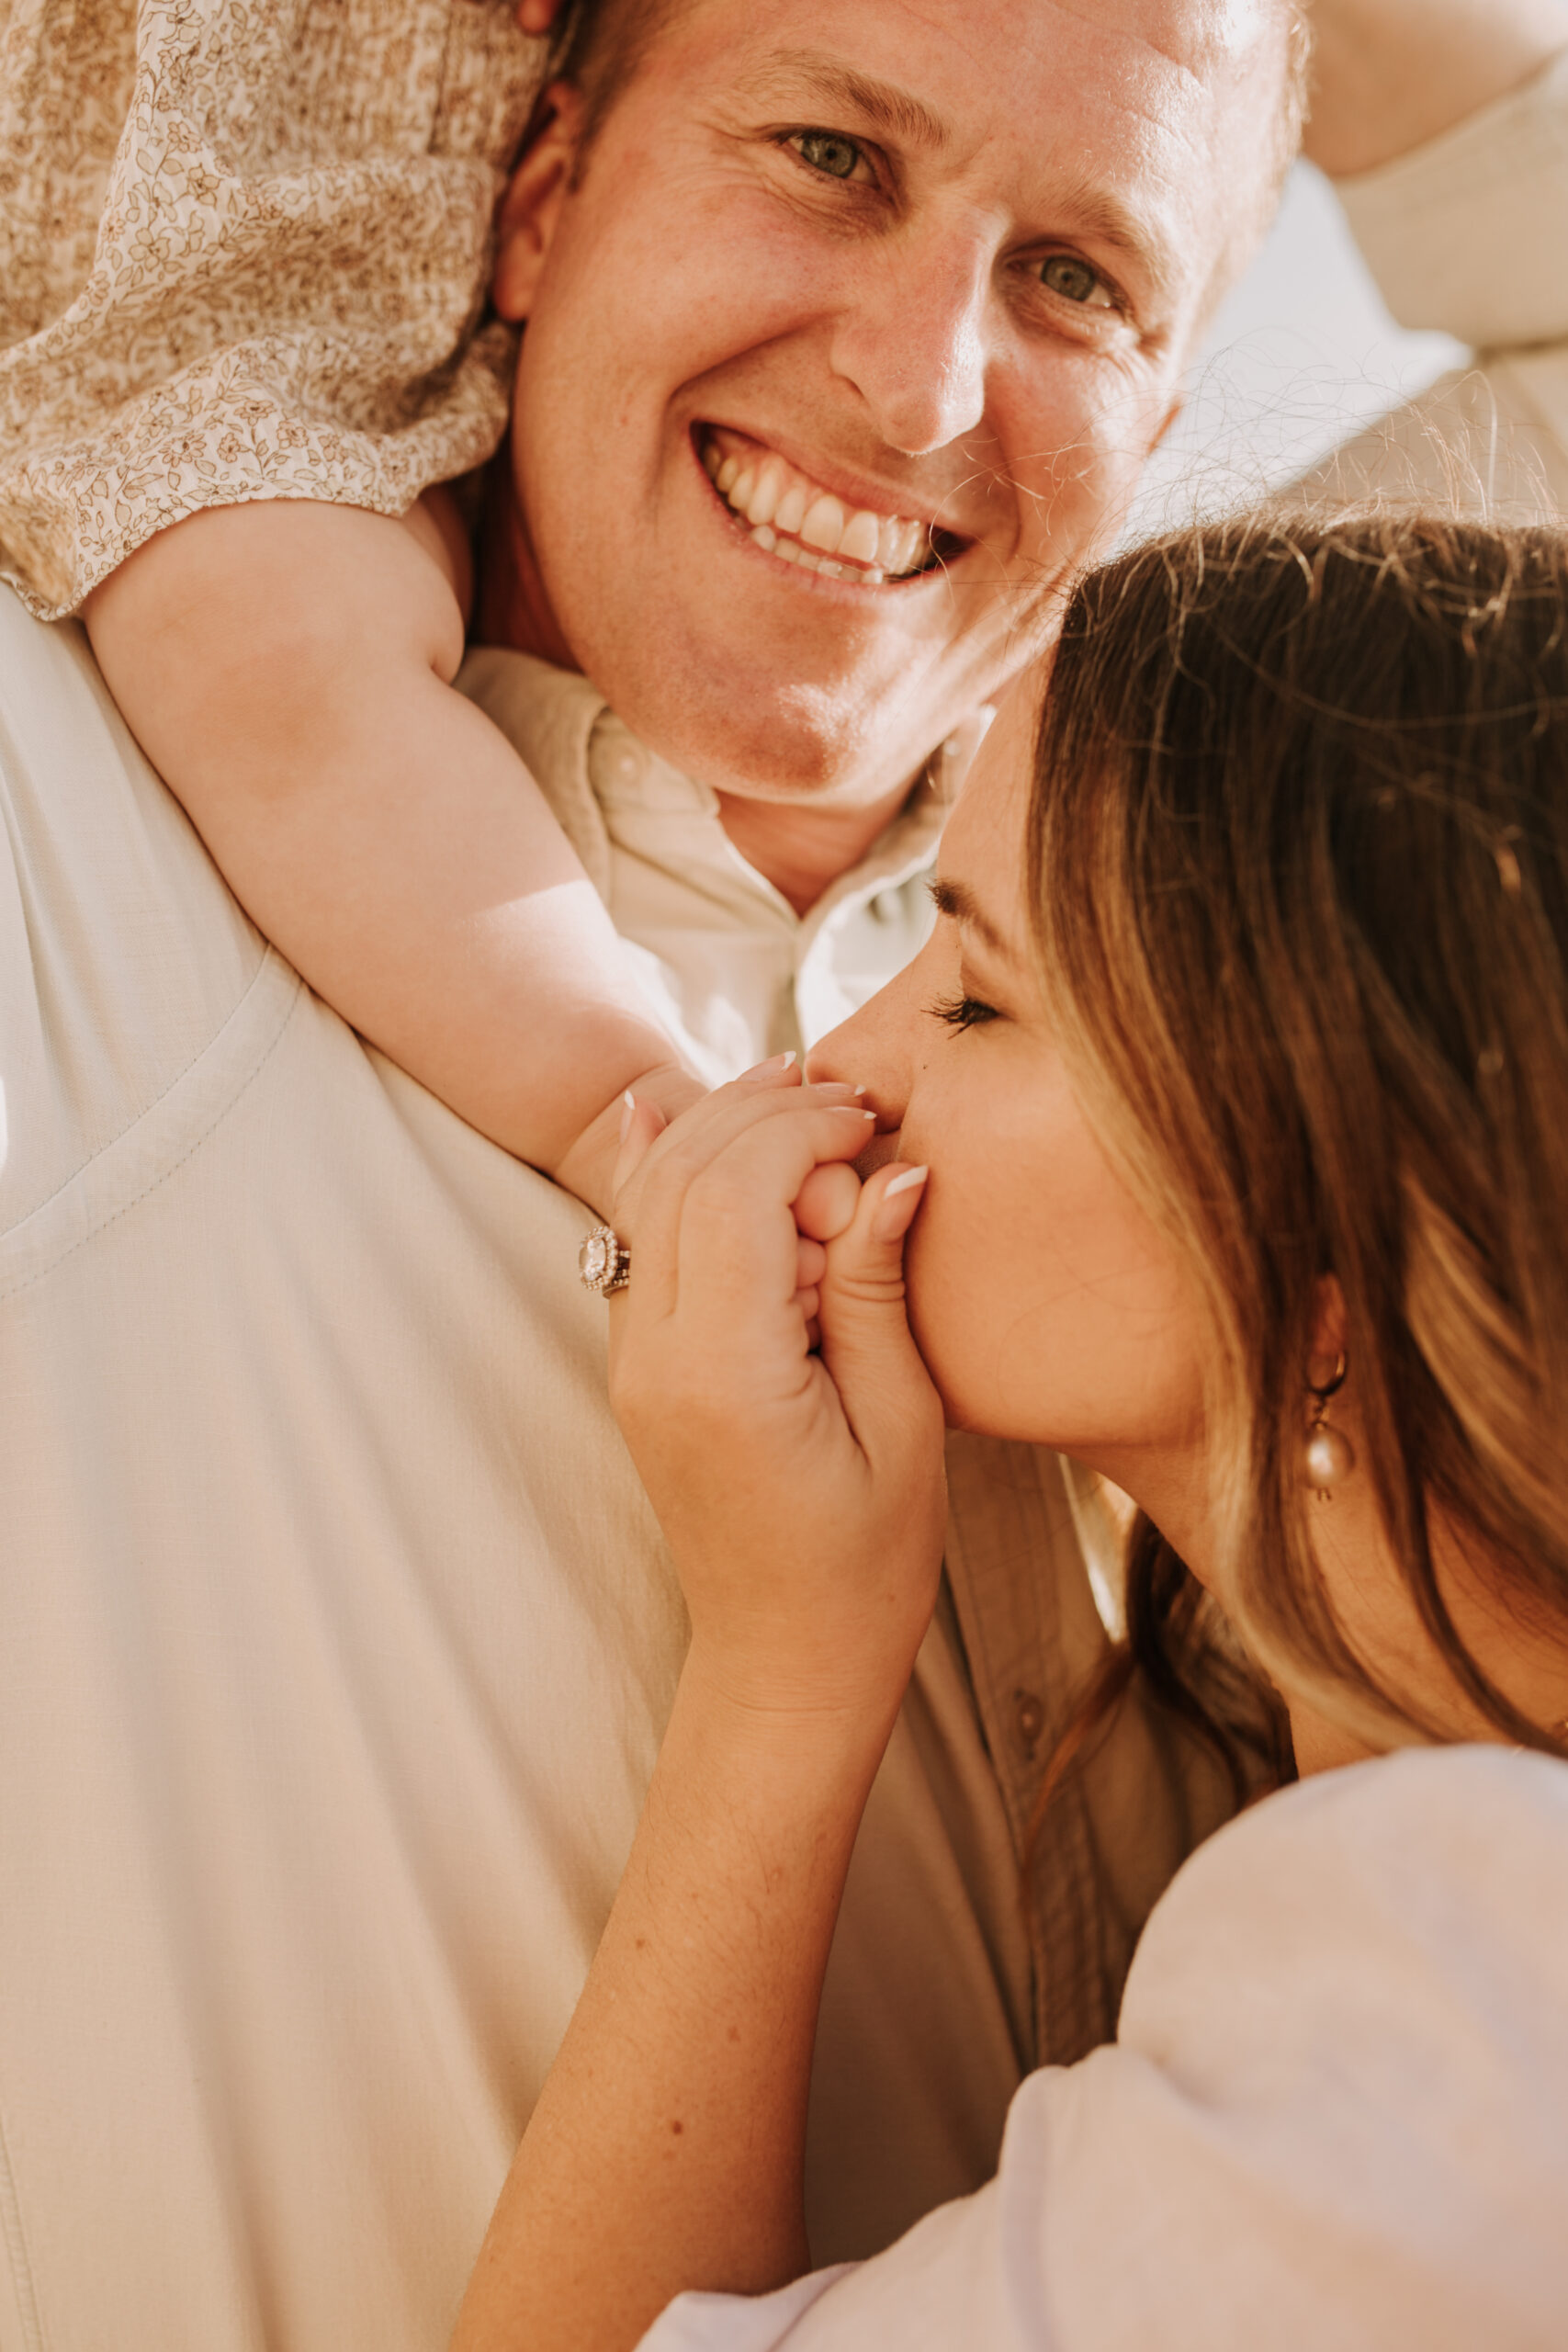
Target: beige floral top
243,252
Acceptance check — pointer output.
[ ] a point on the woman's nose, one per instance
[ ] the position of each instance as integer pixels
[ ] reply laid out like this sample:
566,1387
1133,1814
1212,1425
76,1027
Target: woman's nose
860,1052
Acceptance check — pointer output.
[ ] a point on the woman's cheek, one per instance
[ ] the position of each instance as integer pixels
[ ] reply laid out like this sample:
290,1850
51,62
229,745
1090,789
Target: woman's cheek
960,1300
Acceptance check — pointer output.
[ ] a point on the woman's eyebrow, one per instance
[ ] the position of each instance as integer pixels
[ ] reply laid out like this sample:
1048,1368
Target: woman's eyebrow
956,900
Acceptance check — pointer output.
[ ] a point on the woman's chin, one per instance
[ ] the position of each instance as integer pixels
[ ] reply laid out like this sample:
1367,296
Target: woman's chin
977,1408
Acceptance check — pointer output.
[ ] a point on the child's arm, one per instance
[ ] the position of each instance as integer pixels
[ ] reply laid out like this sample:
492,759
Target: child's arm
286,667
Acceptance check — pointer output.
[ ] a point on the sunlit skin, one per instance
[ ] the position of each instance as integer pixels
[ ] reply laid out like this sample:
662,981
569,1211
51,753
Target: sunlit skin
979,315
1043,1300
1049,1307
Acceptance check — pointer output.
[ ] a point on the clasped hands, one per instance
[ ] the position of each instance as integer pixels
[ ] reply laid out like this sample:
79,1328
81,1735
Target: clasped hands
763,1371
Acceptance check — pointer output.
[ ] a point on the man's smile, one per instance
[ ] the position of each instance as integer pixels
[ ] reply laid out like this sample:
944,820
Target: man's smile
822,394
794,518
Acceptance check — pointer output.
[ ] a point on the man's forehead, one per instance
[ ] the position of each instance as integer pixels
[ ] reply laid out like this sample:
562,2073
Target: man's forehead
1195,34
1080,90
996,47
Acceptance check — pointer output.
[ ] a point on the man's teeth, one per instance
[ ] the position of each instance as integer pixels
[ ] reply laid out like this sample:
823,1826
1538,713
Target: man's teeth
791,519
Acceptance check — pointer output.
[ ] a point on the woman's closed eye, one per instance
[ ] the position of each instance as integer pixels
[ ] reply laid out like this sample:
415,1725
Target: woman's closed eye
963,1012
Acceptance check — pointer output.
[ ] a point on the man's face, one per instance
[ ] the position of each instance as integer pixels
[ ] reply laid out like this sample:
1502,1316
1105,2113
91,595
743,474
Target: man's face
916,283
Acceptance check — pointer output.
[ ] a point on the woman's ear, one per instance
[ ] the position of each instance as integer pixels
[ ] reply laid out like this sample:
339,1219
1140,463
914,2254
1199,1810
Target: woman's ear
531,207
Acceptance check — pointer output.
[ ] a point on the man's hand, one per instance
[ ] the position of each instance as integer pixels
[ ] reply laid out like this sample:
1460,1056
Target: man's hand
1390,74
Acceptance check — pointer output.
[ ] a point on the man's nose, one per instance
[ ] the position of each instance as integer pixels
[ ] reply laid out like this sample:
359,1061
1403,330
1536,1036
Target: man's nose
912,340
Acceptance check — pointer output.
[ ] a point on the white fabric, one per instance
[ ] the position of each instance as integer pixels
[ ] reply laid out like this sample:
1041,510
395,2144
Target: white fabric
336,1638
1469,233
1335,2115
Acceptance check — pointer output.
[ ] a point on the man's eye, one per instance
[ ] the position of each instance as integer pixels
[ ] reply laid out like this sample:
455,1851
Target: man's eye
826,151
1074,281
963,1012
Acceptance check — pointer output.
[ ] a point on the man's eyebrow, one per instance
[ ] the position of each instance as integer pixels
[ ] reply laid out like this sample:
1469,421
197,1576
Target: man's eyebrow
827,82
958,902
1099,212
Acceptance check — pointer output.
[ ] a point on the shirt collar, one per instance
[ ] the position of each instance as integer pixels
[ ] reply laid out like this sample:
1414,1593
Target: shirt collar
595,774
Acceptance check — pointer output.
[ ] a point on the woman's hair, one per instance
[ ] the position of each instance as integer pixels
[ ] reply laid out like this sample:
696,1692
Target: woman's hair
1299,862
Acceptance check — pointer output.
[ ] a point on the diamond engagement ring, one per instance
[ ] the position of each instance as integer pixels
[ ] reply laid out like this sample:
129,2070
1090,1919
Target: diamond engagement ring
604,1263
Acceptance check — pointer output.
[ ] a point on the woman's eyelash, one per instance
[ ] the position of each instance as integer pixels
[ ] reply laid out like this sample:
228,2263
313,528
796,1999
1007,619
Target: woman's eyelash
961,1011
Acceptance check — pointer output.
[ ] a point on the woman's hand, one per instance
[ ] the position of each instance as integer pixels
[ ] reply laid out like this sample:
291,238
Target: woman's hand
802,1492
803,1498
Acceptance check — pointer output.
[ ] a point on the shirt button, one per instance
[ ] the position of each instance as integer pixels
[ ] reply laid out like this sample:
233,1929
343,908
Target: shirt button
628,765
1028,1721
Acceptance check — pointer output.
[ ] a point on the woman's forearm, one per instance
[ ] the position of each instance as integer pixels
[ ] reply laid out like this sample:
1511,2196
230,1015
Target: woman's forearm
803,1496
1390,74
665,2151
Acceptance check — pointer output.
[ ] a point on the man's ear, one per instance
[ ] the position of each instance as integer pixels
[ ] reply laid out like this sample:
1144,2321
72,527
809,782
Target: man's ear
531,207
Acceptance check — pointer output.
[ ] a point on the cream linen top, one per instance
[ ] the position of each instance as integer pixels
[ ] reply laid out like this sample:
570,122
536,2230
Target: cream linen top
245,247
1470,234
1335,2118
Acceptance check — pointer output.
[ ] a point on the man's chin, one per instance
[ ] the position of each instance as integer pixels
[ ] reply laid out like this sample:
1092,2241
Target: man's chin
755,721
749,742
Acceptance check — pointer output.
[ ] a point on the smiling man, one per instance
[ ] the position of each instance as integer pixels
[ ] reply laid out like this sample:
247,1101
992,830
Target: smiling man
337,1636
848,332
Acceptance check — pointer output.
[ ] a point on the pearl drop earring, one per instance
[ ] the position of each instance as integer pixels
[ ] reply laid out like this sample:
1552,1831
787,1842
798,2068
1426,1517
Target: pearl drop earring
1330,1456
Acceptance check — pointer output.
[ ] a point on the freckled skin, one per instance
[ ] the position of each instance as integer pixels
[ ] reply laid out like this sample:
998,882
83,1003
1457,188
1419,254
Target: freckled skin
892,329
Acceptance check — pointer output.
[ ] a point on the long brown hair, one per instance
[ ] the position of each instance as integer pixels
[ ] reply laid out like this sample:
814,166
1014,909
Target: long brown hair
1299,860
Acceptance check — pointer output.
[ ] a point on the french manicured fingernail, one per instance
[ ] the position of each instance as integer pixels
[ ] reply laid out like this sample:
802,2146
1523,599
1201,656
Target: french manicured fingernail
894,1217
628,1113
770,1068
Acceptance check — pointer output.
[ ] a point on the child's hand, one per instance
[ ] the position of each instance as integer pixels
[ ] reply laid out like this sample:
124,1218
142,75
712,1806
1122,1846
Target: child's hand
589,1166
802,1494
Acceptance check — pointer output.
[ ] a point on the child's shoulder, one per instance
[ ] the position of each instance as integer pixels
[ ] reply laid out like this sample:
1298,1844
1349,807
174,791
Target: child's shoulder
224,226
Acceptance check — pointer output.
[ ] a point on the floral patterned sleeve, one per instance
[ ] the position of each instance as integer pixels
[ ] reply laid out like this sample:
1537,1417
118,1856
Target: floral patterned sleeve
244,253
